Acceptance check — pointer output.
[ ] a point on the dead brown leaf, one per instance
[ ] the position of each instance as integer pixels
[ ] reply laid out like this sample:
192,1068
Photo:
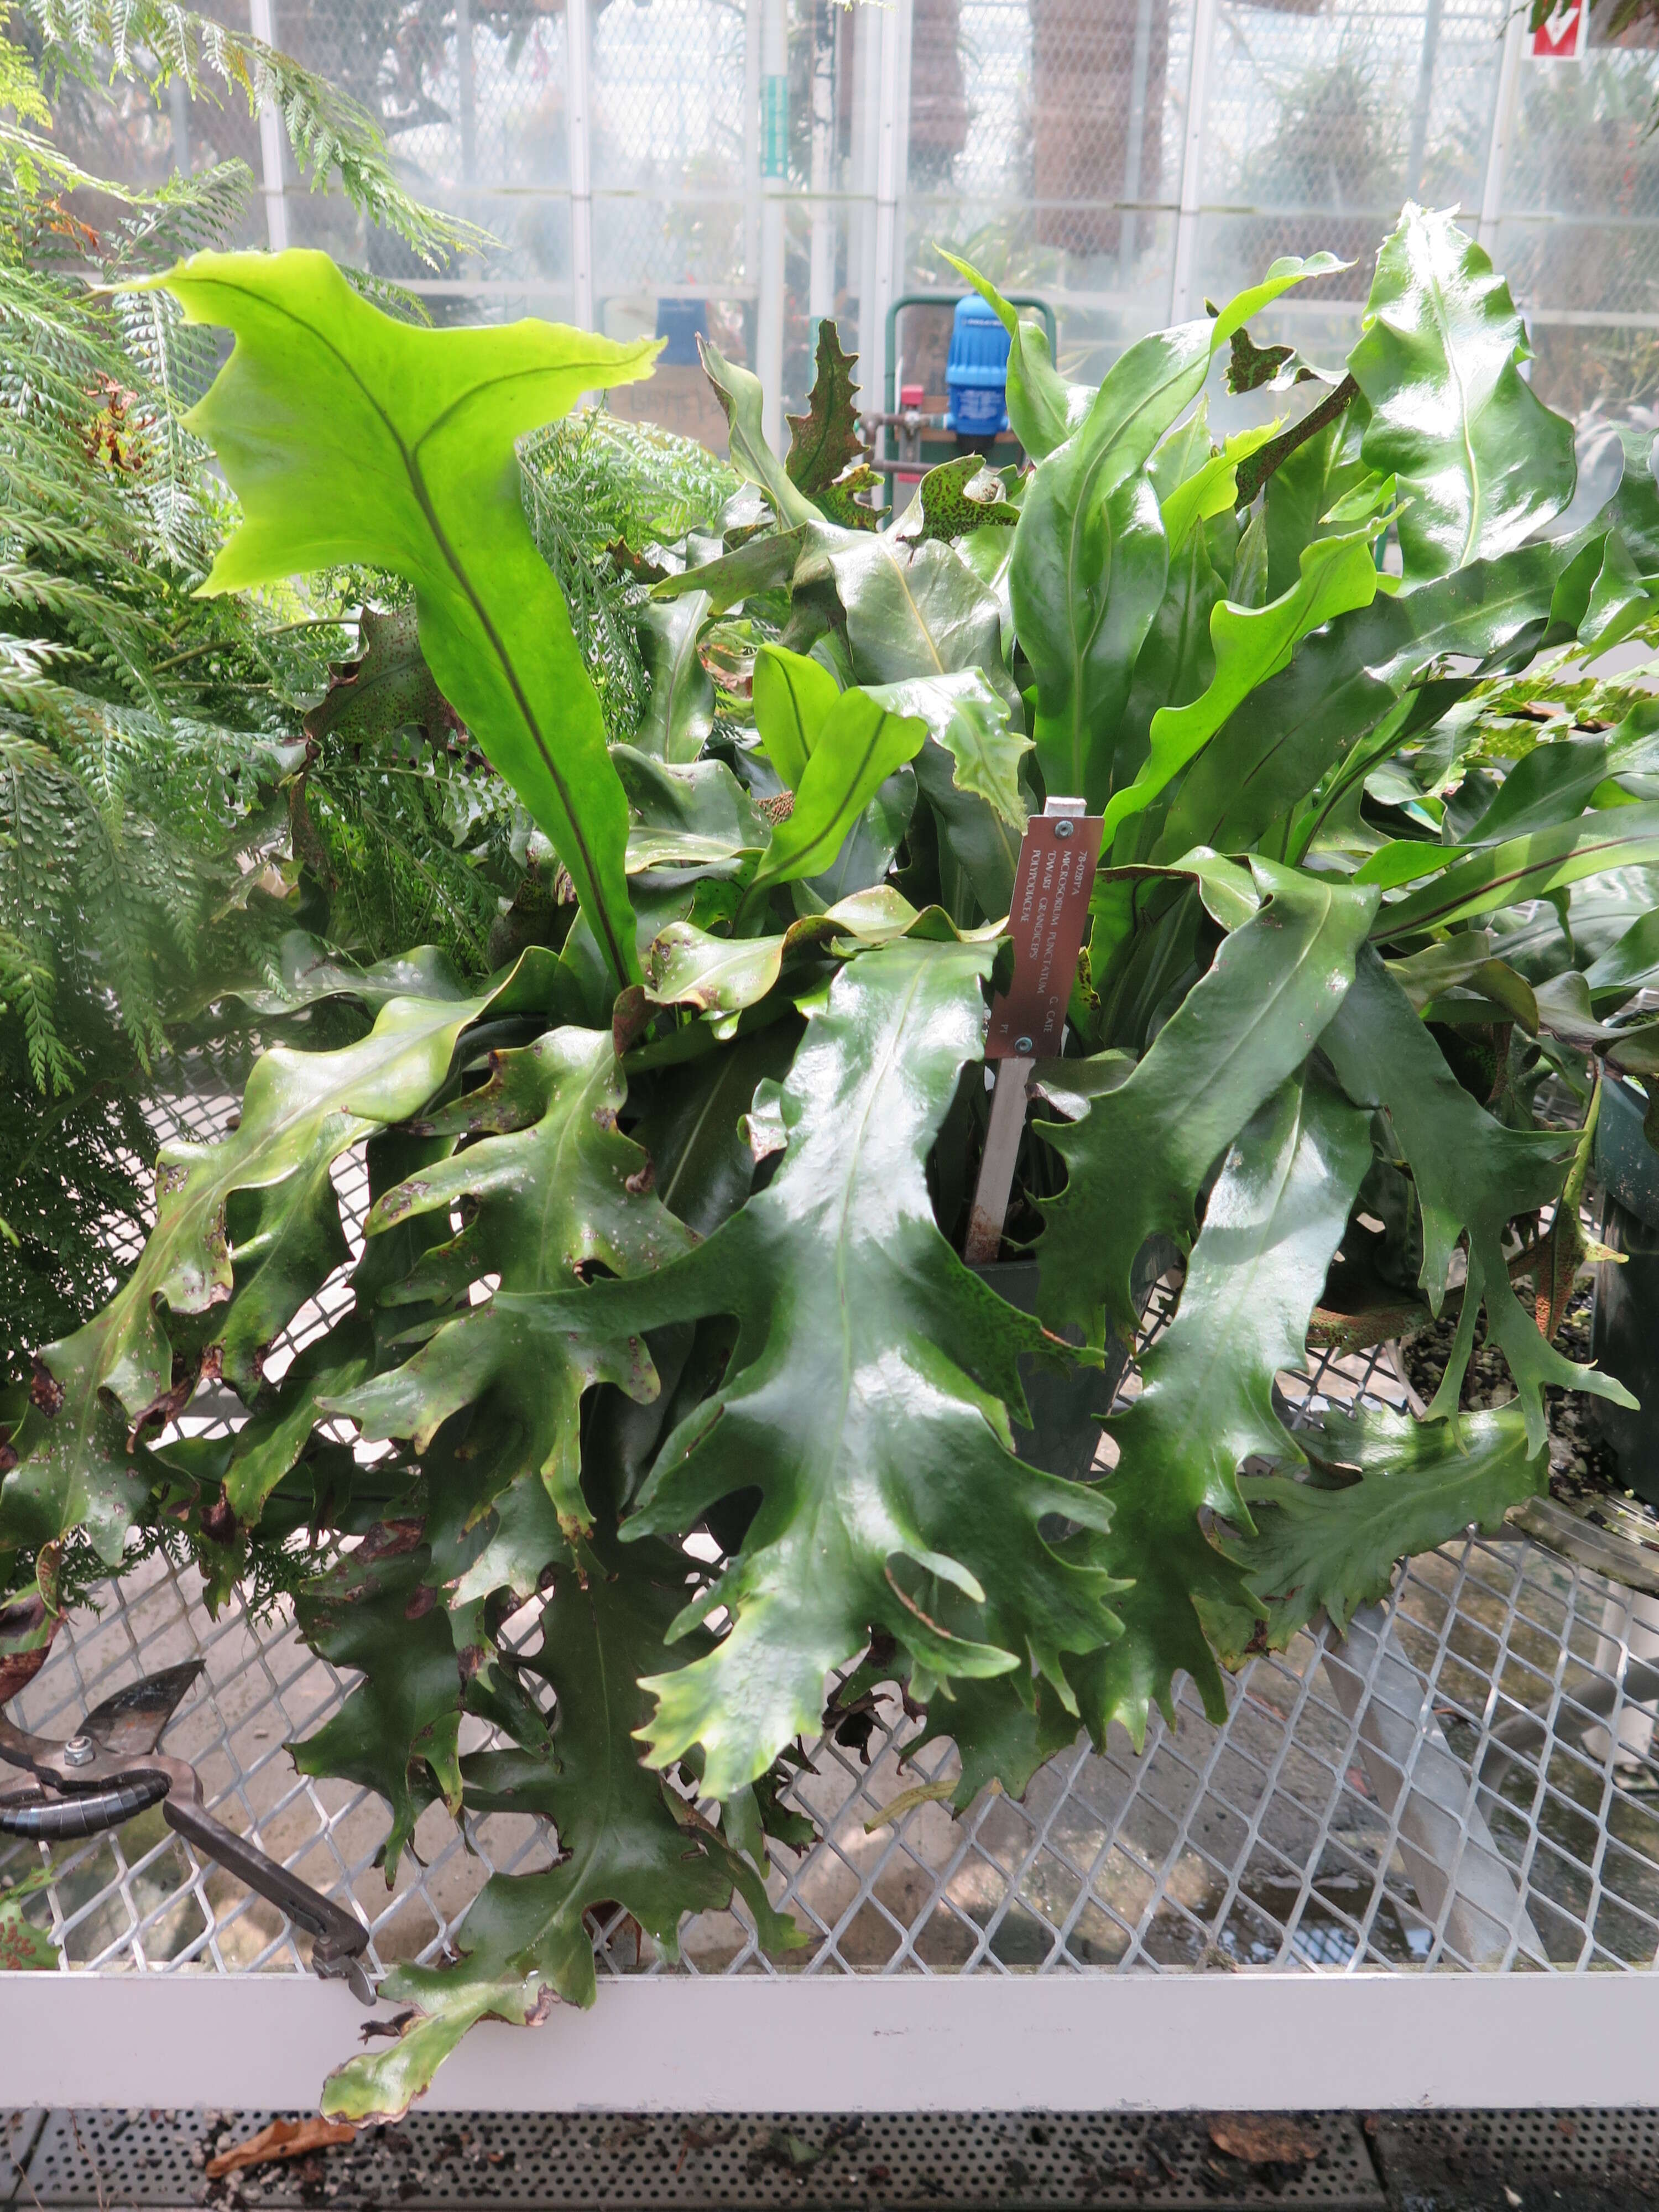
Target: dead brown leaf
282,2139
27,1628
1263,2139
17,1670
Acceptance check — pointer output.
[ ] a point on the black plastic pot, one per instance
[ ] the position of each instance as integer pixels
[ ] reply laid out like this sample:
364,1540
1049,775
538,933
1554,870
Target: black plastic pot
1067,1411
1624,1317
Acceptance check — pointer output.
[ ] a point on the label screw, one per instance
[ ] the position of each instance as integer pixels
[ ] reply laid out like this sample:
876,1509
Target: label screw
1023,1047
1063,828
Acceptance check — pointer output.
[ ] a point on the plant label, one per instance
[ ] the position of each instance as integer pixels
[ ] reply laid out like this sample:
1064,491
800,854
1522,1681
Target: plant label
1560,37
1046,918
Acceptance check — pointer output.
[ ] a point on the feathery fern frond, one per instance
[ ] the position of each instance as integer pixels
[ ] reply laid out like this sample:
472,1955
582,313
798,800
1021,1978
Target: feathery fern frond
589,481
126,768
163,816
155,41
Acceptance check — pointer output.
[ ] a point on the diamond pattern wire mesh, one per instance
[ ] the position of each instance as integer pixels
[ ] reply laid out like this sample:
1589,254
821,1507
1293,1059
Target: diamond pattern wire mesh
1333,114
668,150
668,95
1317,126
1062,173
1468,1783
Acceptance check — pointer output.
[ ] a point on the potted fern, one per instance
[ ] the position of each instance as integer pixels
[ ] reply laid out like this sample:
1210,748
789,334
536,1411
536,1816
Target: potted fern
668,1212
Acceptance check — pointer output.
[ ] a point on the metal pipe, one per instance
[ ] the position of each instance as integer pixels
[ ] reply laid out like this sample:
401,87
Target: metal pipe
1450,1854
892,157
949,300
751,143
774,168
907,418
262,23
1192,162
910,464
1134,152
1626,1649
466,91
821,280
1503,123
1424,97
865,25
578,124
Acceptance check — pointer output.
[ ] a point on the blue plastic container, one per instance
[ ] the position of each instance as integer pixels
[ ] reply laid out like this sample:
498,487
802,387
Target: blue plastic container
978,371
682,322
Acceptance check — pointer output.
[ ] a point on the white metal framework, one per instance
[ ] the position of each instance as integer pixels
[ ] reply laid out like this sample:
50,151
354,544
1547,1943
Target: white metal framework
779,160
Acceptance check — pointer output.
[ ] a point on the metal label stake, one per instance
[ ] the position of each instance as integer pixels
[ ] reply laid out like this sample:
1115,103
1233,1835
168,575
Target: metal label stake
1053,885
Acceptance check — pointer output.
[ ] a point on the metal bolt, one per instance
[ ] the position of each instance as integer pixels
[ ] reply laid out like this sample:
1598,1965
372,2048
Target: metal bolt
80,1750
1063,828
1022,1046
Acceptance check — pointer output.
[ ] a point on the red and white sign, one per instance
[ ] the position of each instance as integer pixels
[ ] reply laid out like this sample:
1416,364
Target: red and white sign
1561,37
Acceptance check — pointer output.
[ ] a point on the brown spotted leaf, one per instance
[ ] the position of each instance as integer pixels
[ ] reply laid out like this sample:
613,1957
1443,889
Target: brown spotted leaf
387,688
824,441
280,2139
950,510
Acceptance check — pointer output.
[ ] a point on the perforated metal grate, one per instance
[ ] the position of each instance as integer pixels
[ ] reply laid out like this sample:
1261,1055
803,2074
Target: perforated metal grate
1489,2157
19,2133
1467,1783
741,2161
1586,2145
738,2160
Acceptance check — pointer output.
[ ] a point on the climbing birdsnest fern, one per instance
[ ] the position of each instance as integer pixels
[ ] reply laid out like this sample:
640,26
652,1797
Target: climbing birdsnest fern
664,1256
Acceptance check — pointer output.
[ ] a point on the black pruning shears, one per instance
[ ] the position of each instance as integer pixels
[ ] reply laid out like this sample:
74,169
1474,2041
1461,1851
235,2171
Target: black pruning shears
111,1769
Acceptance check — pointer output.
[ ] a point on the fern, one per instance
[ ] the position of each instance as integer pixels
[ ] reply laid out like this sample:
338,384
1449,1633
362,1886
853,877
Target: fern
589,481
155,42
144,734
607,479
164,815
114,783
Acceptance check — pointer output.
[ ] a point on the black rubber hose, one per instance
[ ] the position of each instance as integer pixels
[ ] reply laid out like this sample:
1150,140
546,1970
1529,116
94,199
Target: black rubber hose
57,1820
